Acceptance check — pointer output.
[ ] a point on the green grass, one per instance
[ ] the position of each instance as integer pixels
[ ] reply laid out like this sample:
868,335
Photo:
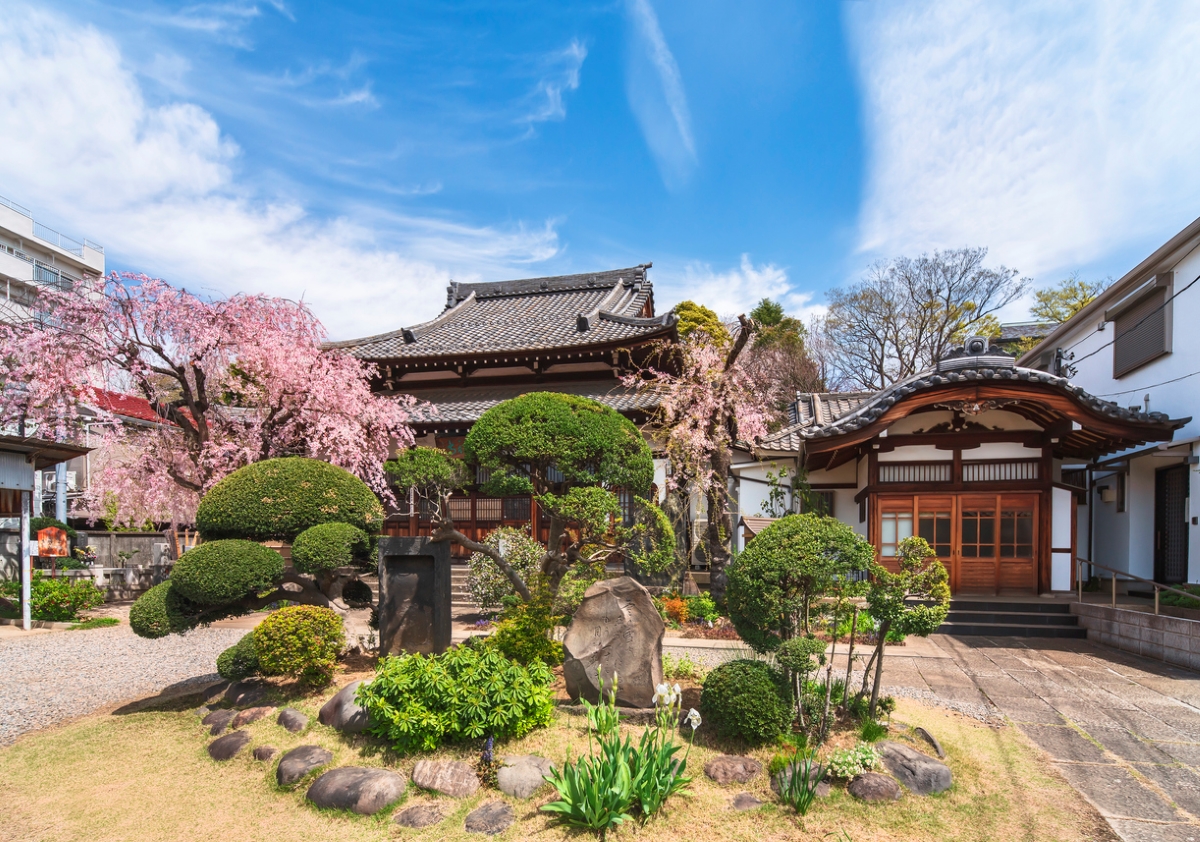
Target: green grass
95,623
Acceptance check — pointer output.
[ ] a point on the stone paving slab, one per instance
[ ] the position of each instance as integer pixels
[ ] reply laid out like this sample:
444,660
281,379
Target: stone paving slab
1135,831
1062,742
1115,792
1128,747
1181,784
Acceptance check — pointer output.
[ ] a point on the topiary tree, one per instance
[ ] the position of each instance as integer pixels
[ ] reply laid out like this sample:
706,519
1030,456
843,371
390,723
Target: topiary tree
238,661
788,566
572,454
912,601
750,700
277,499
300,641
229,574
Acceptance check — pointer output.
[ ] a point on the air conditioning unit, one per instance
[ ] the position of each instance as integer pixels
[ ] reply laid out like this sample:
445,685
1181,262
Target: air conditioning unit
50,481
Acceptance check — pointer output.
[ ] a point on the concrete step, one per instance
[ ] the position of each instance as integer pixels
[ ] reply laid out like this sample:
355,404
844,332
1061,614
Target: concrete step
1010,618
1023,607
1008,630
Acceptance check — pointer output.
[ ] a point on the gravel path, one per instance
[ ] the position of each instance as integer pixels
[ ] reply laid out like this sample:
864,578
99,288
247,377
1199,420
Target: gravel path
46,679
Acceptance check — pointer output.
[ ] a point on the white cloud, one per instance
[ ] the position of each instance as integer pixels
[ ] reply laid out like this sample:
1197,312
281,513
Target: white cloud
160,187
563,77
655,90
1053,134
732,291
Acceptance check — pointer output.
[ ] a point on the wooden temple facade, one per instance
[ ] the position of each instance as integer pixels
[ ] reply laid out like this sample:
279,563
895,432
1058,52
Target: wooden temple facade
983,459
494,341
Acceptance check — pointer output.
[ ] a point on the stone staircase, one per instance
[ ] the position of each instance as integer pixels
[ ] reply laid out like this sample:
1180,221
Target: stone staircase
994,618
460,594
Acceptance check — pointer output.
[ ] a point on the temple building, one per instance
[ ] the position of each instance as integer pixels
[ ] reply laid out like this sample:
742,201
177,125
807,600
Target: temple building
494,341
984,459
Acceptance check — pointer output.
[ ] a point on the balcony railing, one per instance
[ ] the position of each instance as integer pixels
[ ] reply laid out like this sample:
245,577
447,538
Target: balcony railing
44,274
49,235
24,211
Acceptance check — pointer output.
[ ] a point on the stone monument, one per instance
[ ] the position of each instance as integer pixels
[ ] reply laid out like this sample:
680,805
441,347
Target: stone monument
618,629
414,595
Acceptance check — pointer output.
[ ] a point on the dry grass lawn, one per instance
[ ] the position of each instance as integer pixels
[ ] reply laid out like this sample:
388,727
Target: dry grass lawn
145,777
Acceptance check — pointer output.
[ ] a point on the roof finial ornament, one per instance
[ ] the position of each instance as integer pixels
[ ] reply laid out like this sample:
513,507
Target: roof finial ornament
452,294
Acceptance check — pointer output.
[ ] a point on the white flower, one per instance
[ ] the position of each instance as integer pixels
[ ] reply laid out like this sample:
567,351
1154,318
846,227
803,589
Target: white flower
693,718
678,692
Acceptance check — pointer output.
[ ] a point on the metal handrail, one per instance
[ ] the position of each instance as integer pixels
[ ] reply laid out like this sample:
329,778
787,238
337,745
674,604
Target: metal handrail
1157,587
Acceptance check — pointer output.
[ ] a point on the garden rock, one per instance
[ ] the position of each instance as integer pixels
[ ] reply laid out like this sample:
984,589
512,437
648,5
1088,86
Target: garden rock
224,748
265,752
874,787
731,768
422,815
364,791
618,628
919,772
449,777
218,720
932,740
299,762
745,801
251,715
341,712
523,775
492,818
293,720
245,693
784,777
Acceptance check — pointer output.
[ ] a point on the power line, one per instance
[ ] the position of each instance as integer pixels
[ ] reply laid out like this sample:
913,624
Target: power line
1151,386
1139,324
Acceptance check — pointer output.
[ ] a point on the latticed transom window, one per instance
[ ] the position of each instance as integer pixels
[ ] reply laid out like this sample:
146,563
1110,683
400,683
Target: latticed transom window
934,527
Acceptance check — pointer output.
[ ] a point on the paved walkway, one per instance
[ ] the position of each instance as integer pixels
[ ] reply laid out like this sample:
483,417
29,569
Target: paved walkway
1123,730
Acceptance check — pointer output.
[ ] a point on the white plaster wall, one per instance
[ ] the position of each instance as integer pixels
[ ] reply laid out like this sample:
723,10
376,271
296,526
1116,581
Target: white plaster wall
1002,450
917,453
1139,503
1194,514
1110,532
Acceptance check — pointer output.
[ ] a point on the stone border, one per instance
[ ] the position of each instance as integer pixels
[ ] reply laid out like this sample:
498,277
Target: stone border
39,624
1173,640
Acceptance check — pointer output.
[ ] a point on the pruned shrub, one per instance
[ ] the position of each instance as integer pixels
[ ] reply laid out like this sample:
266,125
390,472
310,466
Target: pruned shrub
524,632
161,611
300,641
239,660
747,699
327,546
418,702
277,499
36,524
218,572
56,600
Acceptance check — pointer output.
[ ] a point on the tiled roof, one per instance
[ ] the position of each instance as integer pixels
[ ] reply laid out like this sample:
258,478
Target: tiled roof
126,406
464,405
857,410
527,315
1015,331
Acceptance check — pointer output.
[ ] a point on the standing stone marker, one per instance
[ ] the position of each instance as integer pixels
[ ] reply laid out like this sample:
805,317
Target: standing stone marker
414,596
617,628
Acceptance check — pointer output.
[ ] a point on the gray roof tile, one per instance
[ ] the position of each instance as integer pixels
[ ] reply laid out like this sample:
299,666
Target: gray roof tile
464,405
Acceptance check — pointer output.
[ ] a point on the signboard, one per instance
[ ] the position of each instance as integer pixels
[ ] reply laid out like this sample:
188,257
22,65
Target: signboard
52,542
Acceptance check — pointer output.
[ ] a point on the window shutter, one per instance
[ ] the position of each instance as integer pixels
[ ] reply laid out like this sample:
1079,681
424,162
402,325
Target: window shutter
1141,333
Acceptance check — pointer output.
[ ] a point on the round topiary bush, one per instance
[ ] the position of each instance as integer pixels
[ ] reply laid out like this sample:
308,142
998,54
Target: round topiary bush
747,699
357,594
329,545
277,499
239,660
161,611
300,641
219,572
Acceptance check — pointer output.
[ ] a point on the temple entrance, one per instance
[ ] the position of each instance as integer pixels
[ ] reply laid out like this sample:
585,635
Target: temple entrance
988,542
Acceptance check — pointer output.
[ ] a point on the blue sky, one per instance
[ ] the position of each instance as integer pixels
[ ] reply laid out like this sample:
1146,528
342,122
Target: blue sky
360,155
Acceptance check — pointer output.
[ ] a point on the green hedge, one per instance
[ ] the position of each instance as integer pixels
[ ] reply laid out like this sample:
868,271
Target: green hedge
330,545
161,611
747,699
239,660
277,499
56,600
217,572
300,641
38,523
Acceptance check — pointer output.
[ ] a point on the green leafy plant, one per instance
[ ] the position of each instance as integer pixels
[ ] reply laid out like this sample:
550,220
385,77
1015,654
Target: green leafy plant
798,781
238,661
750,700
487,583
681,667
328,546
36,524
845,763
55,600
524,632
300,641
595,792
702,607
603,718
871,731
418,702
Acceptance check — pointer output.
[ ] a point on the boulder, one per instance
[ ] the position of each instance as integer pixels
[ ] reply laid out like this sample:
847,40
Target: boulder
298,762
523,775
617,628
292,720
449,777
731,768
203,710
919,772
265,752
224,748
341,712
251,715
745,801
932,740
218,720
874,787
492,818
245,693
422,815
784,777
364,791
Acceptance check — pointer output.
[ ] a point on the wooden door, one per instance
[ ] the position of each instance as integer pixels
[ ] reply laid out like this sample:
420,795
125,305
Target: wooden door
978,553
1170,525
1018,543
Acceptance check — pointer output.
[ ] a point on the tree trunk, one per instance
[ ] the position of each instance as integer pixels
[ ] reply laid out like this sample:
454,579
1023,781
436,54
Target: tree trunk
720,525
883,630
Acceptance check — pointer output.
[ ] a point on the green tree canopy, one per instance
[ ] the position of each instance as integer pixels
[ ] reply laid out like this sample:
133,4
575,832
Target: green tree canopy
1066,298
696,318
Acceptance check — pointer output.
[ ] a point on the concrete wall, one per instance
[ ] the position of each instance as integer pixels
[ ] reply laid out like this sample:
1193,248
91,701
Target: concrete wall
1171,639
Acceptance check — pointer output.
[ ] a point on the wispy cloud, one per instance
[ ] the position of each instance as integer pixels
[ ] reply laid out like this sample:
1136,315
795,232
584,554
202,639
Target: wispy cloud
324,84
160,187
654,86
1053,134
562,76
732,290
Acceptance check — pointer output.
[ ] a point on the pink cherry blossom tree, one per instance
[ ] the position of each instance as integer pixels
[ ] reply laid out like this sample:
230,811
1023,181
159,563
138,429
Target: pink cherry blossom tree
231,381
706,402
